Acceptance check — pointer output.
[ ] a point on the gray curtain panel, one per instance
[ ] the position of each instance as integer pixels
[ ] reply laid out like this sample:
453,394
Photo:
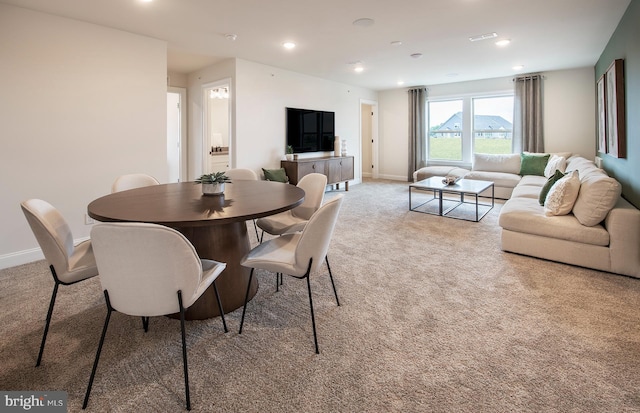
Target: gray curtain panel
527,116
417,130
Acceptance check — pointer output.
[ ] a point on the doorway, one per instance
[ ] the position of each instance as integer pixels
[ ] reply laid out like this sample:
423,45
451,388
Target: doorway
176,134
216,126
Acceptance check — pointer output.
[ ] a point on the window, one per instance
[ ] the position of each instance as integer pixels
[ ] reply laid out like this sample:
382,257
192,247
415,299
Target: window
459,127
493,124
445,130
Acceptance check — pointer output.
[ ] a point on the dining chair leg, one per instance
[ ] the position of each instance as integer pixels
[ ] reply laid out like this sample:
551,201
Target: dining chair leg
278,283
326,259
145,323
95,363
224,323
49,314
313,319
261,237
246,298
255,226
184,352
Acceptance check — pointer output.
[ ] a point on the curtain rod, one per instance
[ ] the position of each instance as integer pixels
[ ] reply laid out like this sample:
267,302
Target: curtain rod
529,77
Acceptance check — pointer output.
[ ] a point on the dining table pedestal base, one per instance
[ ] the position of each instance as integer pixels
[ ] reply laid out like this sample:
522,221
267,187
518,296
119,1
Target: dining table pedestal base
226,243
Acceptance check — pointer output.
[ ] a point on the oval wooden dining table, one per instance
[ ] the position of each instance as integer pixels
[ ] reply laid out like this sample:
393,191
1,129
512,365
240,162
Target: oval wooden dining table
215,225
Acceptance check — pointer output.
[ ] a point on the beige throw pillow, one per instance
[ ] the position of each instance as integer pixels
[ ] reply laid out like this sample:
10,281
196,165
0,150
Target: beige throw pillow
598,195
556,163
562,195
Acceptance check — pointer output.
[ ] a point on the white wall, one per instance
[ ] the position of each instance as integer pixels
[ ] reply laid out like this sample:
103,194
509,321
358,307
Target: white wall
178,79
81,104
393,134
570,111
260,94
569,115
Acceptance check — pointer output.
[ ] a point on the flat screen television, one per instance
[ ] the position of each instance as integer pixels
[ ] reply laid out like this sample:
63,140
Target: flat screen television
310,130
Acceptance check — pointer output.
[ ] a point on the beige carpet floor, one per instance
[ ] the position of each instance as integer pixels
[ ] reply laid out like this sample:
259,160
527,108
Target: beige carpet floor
434,318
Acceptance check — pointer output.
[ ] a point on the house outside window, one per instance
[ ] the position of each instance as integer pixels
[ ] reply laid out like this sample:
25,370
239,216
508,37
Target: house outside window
493,125
461,126
445,130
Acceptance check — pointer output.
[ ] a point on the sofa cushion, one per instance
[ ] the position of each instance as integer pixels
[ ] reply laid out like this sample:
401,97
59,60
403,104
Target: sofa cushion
556,163
526,191
533,180
547,186
531,164
527,216
577,162
598,195
508,163
499,179
562,195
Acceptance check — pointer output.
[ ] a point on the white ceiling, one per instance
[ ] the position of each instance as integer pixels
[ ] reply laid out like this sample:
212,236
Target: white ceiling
545,34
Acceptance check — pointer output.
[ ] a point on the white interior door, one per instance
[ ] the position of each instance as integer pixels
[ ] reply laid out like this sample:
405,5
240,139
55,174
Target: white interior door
176,134
369,138
367,149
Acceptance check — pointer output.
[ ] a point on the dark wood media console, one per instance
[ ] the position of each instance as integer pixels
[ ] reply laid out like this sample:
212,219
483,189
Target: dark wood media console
336,168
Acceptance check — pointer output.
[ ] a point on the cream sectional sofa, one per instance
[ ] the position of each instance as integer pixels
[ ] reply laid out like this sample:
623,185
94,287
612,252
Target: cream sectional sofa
502,170
602,231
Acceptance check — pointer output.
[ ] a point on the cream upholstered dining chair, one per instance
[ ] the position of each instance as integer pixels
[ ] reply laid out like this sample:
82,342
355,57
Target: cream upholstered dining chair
150,270
131,181
295,219
68,263
240,174
298,254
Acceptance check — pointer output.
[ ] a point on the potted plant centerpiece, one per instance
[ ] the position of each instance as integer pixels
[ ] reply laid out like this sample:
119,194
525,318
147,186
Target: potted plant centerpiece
289,152
213,183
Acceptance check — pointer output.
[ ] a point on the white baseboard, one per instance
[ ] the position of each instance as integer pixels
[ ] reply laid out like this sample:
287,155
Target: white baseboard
26,256
20,257
393,177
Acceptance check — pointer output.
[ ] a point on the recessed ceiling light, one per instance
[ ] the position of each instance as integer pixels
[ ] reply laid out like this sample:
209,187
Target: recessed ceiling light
146,1
483,36
288,45
231,36
416,55
358,69
396,43
518,67
503,42
400,82
364,22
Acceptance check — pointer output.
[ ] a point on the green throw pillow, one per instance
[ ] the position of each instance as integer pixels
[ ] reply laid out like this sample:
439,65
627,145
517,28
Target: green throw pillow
547,186
533,164
278,175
